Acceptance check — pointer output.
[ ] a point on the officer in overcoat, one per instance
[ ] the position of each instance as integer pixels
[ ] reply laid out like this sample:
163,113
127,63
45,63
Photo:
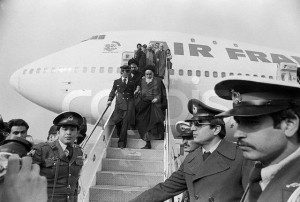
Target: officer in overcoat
219,177
61,161
268,113
123,115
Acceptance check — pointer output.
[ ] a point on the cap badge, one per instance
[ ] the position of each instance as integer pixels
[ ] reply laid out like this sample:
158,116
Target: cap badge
236,97
70,118
195,109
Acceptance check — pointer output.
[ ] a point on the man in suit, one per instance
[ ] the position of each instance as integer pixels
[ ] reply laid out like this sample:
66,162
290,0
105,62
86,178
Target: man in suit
61,161
267,113
221,176
124,114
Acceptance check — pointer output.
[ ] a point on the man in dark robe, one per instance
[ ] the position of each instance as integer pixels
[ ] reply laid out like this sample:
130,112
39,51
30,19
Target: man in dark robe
150,110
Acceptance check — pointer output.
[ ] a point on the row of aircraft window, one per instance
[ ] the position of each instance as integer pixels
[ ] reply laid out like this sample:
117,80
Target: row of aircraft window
215,74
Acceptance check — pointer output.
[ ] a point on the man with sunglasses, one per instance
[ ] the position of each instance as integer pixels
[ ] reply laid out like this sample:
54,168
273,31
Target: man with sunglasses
267,113
123,115
222,176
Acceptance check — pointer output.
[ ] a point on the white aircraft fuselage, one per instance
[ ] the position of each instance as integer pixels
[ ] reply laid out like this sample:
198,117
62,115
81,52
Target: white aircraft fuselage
80,78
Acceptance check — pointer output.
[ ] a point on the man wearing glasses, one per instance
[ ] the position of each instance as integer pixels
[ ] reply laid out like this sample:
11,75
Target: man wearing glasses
123,115
221,175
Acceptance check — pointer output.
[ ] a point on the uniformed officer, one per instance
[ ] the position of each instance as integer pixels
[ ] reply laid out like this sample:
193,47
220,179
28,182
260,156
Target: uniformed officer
221,176
124,114
267,113
185,132
188,145
61,161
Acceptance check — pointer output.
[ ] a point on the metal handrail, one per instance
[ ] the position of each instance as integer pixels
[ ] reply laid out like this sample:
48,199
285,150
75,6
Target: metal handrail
95,126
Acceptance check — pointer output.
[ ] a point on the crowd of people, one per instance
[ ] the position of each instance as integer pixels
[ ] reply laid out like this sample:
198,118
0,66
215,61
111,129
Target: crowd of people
155,55
47,171
262,166
140,103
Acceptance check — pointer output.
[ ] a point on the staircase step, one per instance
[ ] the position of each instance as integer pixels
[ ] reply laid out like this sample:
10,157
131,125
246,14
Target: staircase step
135,154
134,134
128,178
108,193
132,165
138,143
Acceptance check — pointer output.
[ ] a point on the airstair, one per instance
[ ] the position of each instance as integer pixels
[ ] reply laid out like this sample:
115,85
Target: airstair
128,172
111,174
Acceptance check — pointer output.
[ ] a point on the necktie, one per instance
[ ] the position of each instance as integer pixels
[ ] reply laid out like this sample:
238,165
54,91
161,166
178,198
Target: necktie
254,187
69,152
205,155
124,80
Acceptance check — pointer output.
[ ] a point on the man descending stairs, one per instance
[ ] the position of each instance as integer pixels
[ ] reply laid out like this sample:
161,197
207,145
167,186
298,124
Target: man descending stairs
128,172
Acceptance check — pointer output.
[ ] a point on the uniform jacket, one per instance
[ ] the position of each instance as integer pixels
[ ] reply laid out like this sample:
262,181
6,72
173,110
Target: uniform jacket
123,93
284,183
221,178
48,155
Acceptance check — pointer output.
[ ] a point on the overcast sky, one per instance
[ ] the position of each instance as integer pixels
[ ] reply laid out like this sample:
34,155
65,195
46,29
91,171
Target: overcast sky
31,29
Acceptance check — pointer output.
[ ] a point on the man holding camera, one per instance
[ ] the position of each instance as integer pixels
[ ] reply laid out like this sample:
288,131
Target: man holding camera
61,161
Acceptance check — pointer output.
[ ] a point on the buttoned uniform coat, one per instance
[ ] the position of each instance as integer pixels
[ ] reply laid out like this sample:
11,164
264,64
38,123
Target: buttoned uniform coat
124,94
221,178
283,184
47,156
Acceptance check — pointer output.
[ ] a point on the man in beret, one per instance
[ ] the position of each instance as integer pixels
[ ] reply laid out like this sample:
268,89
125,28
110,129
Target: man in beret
267,113
124,114
61,161
216,171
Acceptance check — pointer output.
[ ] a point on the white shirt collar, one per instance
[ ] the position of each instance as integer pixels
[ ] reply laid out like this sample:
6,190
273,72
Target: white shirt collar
213,148
267,173
63,146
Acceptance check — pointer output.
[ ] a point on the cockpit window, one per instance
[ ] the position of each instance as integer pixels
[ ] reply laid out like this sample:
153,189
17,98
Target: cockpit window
97,37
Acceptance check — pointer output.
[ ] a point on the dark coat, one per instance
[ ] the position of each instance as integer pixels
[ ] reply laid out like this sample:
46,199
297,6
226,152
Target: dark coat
124,94
48,155
280,188
137,76
222,177
141,58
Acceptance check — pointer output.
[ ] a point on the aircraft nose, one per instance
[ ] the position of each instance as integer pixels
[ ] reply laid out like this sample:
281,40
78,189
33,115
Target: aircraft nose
14,79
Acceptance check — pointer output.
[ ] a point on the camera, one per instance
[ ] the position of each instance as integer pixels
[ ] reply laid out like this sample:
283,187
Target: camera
10,145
